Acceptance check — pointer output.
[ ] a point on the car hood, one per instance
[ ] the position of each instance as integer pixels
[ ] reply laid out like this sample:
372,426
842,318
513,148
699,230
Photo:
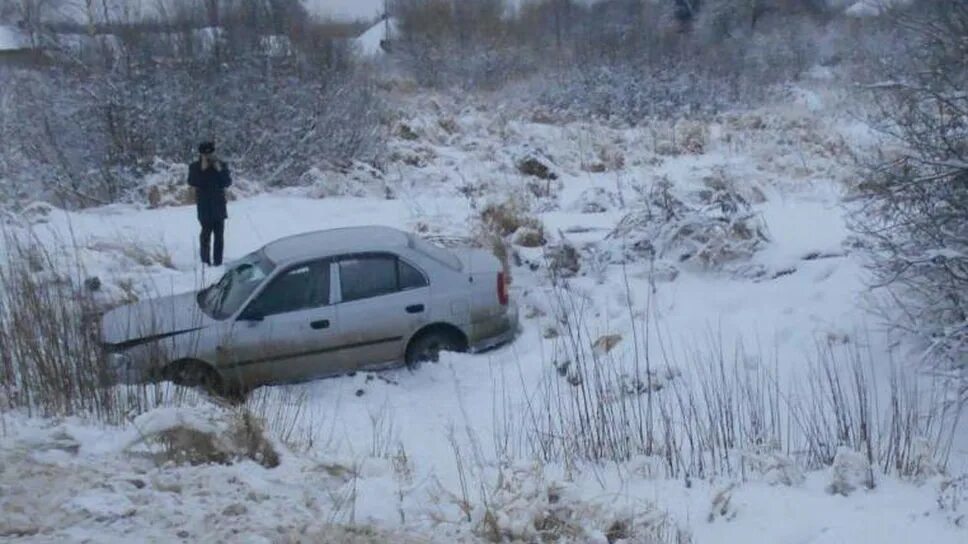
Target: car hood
152,319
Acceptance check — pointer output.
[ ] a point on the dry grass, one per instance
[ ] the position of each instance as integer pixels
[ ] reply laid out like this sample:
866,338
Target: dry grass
499,222
52,362
516,503
721,412
505,218
140,253
242,436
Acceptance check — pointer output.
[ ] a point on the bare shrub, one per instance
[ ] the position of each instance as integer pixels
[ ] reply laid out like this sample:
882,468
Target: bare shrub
721,411
499,221
953,498
913,206
345,534
524,504
464,44
52,361
529,237
850,471
203,435
712,227
505,218
279,98
137,252
287,414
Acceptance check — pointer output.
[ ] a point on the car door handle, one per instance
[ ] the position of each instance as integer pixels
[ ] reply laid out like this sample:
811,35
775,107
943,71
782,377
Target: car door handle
415,308
321,324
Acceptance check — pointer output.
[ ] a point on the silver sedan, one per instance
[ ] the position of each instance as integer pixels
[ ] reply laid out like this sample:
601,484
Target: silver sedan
317,304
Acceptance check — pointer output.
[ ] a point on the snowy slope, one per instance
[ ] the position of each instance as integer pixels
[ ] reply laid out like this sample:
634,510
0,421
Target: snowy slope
422,455
71,483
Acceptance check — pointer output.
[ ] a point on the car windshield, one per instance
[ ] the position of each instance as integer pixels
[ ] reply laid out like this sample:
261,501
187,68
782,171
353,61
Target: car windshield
224,298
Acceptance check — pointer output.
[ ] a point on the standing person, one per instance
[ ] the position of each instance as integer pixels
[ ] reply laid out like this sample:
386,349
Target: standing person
210,176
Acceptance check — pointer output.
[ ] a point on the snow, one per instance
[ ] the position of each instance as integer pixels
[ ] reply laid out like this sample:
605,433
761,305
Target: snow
378,449
873,8
113,496
368,43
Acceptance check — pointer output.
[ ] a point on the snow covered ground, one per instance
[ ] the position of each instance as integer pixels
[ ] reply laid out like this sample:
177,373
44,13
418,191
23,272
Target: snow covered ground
442,454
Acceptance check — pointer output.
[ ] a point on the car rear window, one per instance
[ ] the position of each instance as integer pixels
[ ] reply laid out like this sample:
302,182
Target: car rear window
368,276
436,253
410,277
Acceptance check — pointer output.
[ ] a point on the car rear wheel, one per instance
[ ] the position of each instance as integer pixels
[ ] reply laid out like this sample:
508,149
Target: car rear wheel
427,347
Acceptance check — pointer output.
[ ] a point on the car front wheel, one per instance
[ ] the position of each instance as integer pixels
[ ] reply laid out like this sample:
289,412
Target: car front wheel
194,374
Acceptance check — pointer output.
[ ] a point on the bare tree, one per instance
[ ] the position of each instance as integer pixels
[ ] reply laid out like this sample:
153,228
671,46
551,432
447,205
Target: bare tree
279,92
914,215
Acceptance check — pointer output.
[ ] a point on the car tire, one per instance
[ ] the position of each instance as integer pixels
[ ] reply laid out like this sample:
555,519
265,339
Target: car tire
427,347
194,374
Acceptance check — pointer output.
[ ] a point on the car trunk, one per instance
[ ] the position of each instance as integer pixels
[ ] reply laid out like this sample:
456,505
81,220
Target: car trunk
489,299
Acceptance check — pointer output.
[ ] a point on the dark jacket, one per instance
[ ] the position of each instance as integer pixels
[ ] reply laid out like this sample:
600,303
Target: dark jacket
209,187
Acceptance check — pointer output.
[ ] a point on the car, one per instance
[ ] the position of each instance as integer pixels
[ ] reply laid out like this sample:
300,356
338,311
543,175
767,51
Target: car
317,304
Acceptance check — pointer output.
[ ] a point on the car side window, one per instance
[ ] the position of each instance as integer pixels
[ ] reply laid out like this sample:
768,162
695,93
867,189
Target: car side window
410,277
369,276
302,287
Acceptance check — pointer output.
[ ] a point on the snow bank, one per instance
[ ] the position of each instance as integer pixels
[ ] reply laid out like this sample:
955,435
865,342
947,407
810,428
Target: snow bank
55,491
368,43
197,435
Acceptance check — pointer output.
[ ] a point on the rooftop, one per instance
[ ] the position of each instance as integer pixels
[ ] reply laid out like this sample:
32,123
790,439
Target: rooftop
327,242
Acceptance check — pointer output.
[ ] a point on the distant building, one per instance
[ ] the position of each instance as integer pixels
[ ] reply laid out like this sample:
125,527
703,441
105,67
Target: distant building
16,48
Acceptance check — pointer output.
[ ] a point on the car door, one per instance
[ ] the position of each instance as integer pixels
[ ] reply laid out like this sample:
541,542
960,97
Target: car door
288,331
383,300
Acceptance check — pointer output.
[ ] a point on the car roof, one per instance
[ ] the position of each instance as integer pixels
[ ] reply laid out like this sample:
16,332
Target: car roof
322,243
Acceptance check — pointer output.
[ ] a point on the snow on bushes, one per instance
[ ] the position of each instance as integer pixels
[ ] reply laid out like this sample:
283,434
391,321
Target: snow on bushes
712,227
775,467
522,504
355,180
196,436
850,471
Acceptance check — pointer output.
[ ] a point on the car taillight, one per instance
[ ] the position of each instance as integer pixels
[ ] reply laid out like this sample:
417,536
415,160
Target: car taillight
502,289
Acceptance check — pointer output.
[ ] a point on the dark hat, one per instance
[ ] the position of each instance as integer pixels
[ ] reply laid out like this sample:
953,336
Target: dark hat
206,147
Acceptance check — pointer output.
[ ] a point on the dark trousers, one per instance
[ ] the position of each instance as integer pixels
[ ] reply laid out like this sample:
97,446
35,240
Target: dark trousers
216,228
